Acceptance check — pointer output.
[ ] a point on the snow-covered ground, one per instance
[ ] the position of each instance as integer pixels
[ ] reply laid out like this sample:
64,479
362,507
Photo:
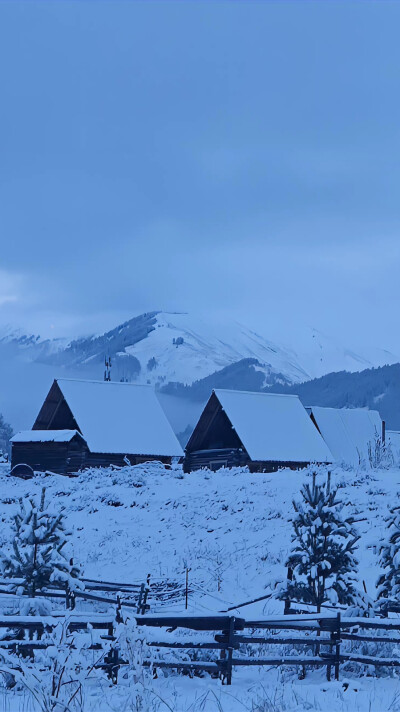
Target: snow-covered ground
232,530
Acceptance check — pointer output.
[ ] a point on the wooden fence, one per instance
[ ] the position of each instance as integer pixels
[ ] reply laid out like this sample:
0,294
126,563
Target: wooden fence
233,633
312,640
133,595
219,644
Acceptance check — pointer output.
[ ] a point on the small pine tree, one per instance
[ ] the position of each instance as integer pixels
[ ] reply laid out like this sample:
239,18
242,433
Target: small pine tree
322,561
37,554
388,584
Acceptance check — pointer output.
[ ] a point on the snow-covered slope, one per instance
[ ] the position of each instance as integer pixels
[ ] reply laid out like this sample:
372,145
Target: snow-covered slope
320,354
232,530
137,520
187,348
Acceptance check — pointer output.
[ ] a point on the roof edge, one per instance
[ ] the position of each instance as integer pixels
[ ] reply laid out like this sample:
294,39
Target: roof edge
254,393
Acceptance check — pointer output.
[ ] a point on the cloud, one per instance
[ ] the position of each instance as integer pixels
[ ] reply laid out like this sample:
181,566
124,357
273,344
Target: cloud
10,288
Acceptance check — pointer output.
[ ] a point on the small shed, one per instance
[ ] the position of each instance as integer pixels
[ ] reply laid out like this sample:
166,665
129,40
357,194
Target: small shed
60,451
116,422
265,431
350,433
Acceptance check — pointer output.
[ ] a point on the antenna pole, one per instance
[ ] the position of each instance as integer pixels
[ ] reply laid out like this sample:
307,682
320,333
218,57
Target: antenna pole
107,369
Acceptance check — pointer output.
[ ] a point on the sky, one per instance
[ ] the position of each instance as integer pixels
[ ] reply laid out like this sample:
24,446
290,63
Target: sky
237,159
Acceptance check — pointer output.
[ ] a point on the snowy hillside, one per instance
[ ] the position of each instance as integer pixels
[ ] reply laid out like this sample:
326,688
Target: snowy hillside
144,519
232,530
320,354
186,349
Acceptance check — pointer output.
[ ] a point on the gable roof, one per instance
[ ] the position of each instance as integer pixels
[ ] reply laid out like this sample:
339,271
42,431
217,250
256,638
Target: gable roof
273,427
44,436
348,432
120,418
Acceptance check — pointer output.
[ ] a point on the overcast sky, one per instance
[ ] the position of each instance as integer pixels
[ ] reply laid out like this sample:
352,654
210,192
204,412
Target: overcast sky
238,158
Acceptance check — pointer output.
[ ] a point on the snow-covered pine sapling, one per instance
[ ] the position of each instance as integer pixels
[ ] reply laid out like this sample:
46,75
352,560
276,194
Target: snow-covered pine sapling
322,560
388,584
38,553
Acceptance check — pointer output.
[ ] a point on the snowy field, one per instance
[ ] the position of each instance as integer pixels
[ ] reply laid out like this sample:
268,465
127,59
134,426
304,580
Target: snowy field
232,530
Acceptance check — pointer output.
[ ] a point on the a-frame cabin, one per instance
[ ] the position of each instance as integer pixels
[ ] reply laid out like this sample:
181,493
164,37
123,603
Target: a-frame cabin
112,424
261,430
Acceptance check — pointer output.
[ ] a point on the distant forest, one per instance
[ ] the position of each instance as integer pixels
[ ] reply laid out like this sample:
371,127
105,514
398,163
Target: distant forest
375,388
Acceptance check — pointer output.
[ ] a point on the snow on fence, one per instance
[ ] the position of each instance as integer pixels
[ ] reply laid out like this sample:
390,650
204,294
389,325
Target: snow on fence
134,595
218,644
318,642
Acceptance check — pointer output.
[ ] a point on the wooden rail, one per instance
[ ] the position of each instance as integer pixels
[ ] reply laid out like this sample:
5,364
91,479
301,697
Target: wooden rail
321,642
318,640
230,636
139,593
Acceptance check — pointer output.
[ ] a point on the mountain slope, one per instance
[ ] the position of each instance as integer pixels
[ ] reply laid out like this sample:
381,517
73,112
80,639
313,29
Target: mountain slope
320,354
183,348
159,347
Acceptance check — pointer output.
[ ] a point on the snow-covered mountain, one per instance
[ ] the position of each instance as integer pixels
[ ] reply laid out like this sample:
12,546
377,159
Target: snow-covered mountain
160,347
163,348
182,348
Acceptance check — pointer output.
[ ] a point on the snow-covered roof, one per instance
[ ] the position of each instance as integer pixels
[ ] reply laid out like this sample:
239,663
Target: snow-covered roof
273,427
348,432
120,418
44,436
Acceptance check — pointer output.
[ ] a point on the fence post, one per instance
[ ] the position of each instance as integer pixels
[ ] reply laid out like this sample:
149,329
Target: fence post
289,577
145,606
118,616
332,636
337,647
231,634
139,605
186,589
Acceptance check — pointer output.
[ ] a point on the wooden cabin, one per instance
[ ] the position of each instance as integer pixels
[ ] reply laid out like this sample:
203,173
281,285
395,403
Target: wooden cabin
59,451
96,423
265,431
